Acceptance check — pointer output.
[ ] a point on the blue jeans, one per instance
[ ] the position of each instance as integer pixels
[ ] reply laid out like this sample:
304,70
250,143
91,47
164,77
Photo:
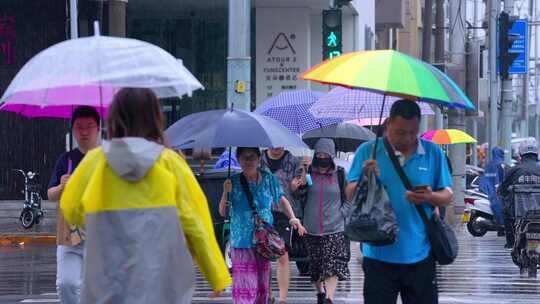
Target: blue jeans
69,269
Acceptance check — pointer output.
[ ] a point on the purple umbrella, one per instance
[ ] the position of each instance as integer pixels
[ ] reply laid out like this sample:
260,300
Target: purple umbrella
352,104
291,109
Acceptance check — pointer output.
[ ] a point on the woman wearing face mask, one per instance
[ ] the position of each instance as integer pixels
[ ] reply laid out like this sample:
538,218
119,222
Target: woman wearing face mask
324,214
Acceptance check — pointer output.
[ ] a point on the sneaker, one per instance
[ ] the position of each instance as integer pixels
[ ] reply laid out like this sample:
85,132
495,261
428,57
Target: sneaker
320,298
328,301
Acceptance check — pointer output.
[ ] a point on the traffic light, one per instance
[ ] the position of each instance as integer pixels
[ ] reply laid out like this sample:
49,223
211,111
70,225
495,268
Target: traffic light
331,33
506,39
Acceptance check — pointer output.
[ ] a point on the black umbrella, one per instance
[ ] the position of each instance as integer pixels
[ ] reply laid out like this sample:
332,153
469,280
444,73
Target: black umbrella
346,136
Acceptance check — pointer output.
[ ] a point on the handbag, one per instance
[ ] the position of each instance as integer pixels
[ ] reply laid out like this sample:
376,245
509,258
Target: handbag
266,240
295,244
372,219
444,245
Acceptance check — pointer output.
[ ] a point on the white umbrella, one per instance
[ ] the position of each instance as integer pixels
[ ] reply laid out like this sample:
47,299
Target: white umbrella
89,71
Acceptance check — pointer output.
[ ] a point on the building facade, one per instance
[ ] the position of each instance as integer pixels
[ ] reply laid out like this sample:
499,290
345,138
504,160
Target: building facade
285,36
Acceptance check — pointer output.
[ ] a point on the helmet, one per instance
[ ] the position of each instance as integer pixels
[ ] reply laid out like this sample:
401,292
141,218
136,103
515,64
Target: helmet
529,146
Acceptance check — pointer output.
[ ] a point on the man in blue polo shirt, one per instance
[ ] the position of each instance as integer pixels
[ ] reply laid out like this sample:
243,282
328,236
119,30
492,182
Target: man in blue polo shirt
405,267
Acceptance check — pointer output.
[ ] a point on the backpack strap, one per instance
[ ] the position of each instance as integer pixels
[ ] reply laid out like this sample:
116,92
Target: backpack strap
249,195
407,183
341,180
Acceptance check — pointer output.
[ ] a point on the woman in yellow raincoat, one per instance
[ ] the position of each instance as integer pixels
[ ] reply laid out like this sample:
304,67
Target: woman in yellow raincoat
145,215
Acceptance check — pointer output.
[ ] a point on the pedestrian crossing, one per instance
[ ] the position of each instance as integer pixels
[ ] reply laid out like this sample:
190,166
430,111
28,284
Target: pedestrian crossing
483,273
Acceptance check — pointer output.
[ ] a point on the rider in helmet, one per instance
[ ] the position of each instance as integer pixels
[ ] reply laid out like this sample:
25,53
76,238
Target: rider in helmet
526,172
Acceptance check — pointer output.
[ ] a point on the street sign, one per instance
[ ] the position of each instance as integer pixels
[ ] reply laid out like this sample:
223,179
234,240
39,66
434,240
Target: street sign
520,46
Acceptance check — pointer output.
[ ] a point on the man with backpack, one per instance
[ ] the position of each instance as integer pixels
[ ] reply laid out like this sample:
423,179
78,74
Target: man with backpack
288,169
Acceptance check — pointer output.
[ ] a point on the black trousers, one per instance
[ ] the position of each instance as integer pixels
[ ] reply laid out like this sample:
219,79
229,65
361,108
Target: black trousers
508,227
416,283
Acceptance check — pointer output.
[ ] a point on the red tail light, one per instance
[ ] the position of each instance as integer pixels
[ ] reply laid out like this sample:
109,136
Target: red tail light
469,200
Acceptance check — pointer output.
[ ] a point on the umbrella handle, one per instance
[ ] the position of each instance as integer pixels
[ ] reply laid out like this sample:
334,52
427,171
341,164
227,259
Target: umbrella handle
380,131
229,168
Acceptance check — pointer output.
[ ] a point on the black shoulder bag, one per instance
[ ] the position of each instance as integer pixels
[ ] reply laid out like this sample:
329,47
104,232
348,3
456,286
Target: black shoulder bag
444,245
266,240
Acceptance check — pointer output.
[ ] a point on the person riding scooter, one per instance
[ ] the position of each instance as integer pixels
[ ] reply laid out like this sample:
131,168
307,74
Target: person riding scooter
493,176
526,172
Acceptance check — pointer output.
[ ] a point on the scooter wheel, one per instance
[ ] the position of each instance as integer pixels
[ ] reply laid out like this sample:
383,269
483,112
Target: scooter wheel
474,229
27,218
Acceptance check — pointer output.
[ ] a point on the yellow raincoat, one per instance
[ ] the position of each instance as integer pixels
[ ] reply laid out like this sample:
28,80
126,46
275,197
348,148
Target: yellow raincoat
133,232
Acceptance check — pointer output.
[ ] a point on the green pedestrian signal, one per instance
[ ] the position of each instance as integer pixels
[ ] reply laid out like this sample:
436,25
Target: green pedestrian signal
331,40
332,33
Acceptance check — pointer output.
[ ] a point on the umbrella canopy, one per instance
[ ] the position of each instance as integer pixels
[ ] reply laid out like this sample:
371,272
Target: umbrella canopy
357,104
89,71
290,108
392,73
346,136
448,137
225,128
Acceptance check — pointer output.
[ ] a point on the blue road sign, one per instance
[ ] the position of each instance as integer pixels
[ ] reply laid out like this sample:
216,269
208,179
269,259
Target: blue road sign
520,29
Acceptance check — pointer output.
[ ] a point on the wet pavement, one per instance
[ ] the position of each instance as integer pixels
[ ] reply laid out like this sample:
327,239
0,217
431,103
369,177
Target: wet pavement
483,273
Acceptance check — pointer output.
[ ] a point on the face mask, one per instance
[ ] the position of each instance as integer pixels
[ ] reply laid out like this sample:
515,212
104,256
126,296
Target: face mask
322,162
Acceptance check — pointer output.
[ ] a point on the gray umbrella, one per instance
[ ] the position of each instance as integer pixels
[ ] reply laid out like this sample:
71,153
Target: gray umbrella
226,128
347,136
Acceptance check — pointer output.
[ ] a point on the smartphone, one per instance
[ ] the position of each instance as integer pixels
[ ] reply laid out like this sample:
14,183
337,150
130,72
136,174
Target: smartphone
421,188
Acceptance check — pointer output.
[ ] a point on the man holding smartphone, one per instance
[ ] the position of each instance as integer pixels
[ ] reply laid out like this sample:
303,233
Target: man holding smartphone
405,267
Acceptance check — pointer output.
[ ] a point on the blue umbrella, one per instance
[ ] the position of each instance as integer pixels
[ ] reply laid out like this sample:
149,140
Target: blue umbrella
290,108
226,128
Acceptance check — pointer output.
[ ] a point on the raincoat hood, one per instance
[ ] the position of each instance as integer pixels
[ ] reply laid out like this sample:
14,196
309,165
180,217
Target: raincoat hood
326,145
497,154
131,157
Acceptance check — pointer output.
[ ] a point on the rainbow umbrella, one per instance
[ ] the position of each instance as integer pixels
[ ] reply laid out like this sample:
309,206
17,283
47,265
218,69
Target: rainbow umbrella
390,73
448,137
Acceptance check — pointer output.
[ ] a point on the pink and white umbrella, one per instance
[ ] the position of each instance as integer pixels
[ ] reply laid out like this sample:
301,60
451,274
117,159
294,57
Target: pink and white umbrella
361,105
89,71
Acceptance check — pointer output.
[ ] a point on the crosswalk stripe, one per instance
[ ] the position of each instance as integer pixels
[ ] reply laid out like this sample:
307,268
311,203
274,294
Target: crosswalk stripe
482,274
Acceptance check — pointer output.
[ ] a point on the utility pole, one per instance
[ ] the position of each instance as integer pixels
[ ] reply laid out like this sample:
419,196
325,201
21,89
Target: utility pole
456,117
239,59
507,101
73,20
117,18
524,121
494,9
536,77
426,45
439,52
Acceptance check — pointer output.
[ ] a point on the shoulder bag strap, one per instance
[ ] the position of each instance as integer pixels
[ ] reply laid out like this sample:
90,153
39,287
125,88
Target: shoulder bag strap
405,180
245,188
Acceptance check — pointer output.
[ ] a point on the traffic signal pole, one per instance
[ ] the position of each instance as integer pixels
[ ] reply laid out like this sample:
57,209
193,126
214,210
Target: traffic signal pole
507,99
493,79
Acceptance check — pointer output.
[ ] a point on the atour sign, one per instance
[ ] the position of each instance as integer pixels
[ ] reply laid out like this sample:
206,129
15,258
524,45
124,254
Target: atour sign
331,33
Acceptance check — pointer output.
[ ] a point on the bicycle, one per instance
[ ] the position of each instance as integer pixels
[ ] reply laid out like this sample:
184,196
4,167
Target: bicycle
32,211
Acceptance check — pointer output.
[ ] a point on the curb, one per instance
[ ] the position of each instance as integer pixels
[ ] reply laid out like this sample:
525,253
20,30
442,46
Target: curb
6,240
